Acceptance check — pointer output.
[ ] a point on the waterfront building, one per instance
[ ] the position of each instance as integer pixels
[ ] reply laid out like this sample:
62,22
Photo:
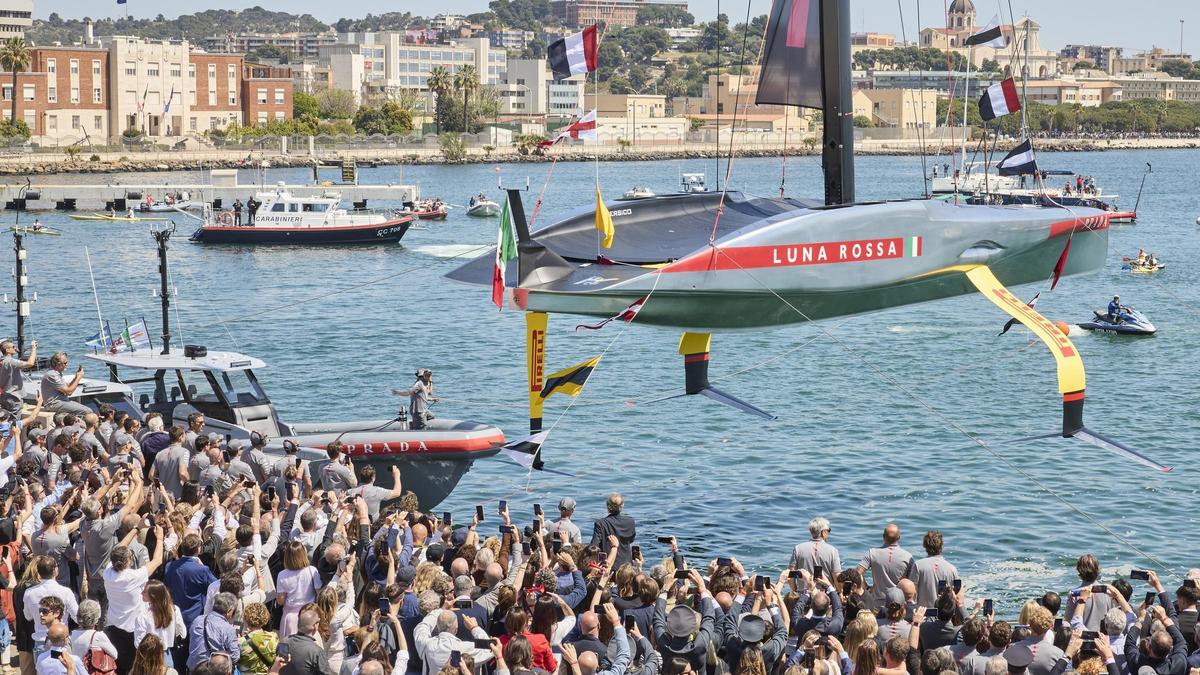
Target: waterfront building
897,108
380,63
1148,60
1103,57
146,74
266,93
725,94
1158,85
635,117
580,13
63,96
527,89
1088,93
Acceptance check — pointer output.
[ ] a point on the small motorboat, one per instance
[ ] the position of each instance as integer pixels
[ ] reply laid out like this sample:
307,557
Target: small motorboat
429,209
638,192
1129,322
284,218
169,207
482,207
25,229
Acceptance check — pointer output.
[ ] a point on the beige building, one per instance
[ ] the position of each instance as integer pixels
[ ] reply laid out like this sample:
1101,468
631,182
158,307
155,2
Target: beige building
635,117
897,108
16,16
1084,92
528,89
1150,60
145,74
1158,85
1025,32
727,94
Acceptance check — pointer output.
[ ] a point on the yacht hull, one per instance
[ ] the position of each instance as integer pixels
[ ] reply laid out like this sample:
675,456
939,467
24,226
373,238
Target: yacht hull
377,233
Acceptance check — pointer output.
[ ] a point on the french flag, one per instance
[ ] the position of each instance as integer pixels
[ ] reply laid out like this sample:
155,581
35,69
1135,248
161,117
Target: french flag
574,54
999,99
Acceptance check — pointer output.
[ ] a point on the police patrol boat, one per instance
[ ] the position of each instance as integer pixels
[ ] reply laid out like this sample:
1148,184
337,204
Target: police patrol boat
284,218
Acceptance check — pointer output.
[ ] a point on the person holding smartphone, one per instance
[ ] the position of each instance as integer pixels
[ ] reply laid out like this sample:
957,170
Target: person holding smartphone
57,390
931,570
1098,601
827,616
818,552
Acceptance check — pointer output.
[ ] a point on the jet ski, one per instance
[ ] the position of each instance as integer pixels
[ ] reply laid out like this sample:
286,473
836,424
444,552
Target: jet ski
1132,322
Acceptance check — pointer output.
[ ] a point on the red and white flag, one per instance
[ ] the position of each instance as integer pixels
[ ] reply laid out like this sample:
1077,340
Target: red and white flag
626,315
1000,99
575,54
583,128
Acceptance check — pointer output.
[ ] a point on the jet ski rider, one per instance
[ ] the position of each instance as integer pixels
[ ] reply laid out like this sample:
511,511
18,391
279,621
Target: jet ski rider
1115,309
420,395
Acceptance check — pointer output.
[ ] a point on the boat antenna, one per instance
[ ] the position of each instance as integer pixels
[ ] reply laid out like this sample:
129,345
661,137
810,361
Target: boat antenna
162,236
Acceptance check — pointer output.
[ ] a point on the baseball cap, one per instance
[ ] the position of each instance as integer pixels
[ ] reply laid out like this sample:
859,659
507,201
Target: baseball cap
37,433
894,596
459,536
566,504
123,439
435,552
406,574
235,444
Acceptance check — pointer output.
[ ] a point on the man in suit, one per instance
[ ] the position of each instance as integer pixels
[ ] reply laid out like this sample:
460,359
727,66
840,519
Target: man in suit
618,525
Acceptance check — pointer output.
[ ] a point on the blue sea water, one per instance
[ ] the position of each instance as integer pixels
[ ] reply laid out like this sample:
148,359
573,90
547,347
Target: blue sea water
872,409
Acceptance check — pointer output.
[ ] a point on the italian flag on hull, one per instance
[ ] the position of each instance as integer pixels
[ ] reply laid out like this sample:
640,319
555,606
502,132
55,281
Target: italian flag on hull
912,247
506,249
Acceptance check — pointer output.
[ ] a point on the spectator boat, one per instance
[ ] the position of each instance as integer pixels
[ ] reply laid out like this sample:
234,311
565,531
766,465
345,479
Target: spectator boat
426,209
224,388
1132,322
284,218
482,207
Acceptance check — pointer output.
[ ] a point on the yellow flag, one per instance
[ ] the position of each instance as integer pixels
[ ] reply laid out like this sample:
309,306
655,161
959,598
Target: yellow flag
604,220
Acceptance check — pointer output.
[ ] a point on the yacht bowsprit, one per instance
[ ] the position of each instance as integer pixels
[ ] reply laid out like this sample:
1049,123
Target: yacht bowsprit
284,218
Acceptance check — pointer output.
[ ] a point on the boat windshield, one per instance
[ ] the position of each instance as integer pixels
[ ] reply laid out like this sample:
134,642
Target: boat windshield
240,387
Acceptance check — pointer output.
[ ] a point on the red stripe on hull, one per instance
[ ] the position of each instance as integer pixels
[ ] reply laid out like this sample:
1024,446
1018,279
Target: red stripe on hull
1088,224
418,447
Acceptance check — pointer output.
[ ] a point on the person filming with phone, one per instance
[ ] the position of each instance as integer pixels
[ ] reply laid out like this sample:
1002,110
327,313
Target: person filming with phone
56,390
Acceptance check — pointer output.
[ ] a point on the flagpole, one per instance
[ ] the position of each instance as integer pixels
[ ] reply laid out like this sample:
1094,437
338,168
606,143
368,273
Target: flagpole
966,101
148,338
104,339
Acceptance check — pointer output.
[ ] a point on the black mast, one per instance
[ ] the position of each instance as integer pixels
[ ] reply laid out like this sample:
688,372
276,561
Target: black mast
22,305
837,155
164,293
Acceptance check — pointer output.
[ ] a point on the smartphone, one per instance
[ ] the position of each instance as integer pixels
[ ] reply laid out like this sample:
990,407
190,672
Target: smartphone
681,574
462,604
325,501
759,582
1090,634
1088,646
630,622
385,606
724,562
795,574
1099,588
941,586
446,518
679,561
1150,595
297,462
482,644
635,551
537,509
283,651
987,607
1058,623
456,658
823,641
556,546
479,512
505,529
208,491
503,507
847,588
665,540
162,507
957,585
55,653
818,572
525,548
1144,575
270,491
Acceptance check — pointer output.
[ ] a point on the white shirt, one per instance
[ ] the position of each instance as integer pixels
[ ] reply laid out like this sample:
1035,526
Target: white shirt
84,640
124,591
47,588
143,625
46,665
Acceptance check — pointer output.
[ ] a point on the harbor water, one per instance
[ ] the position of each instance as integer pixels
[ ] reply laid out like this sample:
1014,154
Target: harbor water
872,409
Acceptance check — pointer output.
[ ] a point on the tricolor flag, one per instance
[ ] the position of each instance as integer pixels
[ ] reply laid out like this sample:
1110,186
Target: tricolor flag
142,103
604,221
991,36
569,381
1019,161
583,128
626,315
912,247
506,249
574,54
134,338
167,107
999,99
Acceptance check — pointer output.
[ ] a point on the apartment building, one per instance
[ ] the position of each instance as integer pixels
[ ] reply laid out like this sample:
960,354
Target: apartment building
16,16
580,13
72,104
299,45
214,91
383,62
266,93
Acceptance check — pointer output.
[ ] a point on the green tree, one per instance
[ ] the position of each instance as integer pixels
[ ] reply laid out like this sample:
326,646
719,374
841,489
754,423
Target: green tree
386,119
269,53
15,57
1083,65
440,83
664,16
990,66
1179,68
863,121
714,33
304,104
452,147
335,104
466,80
522,14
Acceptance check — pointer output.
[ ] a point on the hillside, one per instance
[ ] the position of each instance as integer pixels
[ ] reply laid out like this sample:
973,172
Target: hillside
191,26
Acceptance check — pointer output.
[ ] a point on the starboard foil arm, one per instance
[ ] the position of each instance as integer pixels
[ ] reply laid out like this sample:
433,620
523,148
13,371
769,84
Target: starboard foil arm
1071,376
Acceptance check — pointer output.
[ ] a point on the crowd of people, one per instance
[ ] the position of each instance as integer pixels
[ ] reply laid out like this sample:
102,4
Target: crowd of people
158,550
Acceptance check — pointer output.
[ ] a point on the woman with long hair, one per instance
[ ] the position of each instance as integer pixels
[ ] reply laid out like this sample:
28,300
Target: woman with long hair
518,655
159,616
257,643
297,586
751,662
860,631
516,624
339,617
148,659
865,658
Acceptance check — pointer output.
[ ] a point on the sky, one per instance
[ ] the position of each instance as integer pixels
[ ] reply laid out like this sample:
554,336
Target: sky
1134,25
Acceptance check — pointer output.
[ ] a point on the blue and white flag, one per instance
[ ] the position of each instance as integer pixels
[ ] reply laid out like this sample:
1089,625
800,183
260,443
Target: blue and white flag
100,340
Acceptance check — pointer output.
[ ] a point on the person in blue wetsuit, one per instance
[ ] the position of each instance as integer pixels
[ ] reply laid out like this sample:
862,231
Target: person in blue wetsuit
1115,309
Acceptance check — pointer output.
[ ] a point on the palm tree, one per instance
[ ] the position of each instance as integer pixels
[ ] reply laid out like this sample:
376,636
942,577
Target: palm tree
467,80
15,56
439,83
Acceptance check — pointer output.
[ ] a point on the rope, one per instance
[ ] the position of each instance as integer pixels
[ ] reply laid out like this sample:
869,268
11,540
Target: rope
538,205
732,124
887,378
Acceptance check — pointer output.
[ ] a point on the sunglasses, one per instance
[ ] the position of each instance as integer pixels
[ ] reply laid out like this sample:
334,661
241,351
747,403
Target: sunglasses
45,610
